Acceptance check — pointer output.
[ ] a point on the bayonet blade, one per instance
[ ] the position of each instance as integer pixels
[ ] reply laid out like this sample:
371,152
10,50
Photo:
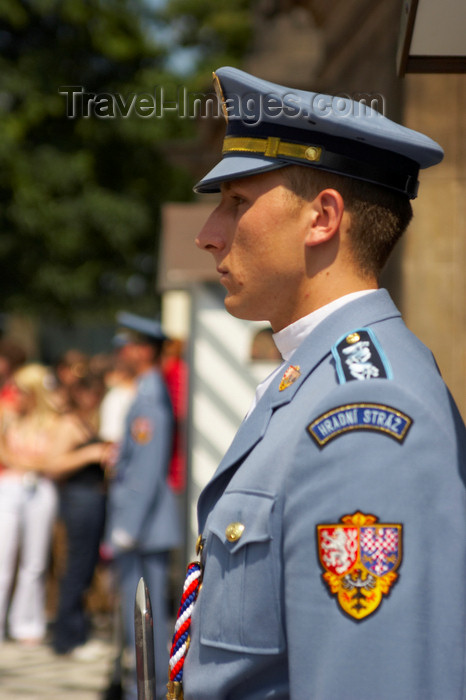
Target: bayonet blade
143,625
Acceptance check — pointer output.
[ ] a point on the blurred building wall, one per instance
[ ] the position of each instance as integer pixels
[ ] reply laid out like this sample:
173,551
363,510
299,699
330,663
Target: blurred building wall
434,252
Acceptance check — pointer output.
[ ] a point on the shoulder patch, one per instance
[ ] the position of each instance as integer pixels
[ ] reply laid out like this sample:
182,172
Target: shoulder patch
360,557
142,430
358,355
359,416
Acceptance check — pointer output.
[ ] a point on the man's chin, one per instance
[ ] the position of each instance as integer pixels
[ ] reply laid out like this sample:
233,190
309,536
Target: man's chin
241,310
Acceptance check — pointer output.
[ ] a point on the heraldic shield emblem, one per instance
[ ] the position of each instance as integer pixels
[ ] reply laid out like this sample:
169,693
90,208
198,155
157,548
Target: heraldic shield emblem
360,557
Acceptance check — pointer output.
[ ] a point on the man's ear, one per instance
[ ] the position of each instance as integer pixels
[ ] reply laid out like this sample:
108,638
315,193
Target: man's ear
326,215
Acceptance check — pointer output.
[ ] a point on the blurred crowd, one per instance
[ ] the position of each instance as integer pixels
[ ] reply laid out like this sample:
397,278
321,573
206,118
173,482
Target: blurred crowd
60,430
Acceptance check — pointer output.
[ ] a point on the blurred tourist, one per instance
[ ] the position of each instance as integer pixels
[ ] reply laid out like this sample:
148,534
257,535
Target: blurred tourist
72,366
120,394
12,356
28,505
175,373
36,444
82,510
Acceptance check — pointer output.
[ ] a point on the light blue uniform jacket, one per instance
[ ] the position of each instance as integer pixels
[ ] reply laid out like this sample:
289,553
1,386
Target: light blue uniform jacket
140,501
266,624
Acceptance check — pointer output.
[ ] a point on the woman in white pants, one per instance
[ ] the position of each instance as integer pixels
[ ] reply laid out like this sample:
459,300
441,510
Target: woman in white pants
34,442
28,507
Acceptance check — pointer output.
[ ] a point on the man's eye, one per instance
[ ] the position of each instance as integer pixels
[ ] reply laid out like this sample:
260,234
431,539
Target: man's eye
237,199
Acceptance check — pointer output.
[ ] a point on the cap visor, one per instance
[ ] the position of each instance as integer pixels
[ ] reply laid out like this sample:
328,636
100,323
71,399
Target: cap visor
234,168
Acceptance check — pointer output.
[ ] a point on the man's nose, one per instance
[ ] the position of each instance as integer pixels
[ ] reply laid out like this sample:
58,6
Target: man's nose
210,237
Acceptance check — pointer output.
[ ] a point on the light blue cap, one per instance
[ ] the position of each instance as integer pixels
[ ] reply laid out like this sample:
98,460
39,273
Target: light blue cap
270,126
147,328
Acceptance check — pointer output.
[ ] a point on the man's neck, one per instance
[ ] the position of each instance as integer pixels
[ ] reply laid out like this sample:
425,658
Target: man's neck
320,296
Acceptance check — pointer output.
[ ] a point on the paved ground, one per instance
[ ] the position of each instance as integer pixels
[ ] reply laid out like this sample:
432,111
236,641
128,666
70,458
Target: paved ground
37,673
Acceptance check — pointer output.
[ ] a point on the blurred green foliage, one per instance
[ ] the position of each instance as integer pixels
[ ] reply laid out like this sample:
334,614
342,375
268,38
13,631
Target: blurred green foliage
80,197
218,32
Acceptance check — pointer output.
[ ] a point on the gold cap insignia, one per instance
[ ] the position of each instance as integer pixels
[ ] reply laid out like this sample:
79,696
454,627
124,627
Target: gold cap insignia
220,95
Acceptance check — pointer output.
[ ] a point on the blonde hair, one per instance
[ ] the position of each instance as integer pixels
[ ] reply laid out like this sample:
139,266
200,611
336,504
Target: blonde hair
36,380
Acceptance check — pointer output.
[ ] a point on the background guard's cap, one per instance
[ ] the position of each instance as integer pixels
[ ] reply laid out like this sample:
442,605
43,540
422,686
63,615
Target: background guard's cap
270,126
141,329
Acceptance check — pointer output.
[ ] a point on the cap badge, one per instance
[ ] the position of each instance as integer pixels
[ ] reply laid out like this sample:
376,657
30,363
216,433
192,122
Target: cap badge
220,95
360,557
291,375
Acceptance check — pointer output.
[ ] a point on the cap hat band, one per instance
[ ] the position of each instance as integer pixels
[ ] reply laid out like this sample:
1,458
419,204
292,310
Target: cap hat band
271,147
274,147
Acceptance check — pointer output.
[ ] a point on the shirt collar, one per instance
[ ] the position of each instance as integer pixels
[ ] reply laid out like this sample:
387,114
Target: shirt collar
290,338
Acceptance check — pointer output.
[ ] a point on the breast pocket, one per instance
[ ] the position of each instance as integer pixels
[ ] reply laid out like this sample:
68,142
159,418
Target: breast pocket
240,599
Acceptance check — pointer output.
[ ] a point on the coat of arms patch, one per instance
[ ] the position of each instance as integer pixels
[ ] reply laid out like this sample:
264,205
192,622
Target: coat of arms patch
360,557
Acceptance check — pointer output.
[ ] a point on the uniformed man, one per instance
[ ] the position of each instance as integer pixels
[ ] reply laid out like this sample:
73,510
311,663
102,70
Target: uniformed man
332,536
142,512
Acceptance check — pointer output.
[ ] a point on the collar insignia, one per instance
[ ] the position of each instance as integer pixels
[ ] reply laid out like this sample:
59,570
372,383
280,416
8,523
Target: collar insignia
291,375
360,557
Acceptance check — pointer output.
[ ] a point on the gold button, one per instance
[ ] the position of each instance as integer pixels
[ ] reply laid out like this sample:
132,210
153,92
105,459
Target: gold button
353,338
234,531
312,153
199,545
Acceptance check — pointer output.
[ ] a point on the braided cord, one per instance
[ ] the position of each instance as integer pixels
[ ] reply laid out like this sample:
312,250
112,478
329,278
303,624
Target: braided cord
181,637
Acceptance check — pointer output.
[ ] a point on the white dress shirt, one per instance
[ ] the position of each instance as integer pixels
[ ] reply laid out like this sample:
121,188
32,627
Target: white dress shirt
290,338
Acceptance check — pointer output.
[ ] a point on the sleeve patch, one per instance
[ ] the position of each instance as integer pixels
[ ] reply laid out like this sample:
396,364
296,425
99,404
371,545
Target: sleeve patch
359,416
142,430
359,355
360,557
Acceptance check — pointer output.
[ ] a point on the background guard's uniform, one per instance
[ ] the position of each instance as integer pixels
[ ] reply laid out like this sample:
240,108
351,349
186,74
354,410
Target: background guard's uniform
389,618
142,505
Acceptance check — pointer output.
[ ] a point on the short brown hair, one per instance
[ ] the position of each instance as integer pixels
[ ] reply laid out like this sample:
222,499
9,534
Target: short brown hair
379,216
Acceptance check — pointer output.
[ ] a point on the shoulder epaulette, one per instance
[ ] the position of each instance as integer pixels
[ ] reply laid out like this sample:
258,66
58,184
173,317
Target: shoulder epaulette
358,355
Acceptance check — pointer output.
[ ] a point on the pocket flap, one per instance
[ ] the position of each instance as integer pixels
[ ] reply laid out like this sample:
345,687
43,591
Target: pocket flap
242,517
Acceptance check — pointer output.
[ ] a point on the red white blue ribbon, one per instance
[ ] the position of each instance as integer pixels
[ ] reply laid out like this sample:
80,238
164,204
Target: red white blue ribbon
181,636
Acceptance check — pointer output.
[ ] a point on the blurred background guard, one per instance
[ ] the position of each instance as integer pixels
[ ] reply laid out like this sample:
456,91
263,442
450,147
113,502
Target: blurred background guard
143,523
